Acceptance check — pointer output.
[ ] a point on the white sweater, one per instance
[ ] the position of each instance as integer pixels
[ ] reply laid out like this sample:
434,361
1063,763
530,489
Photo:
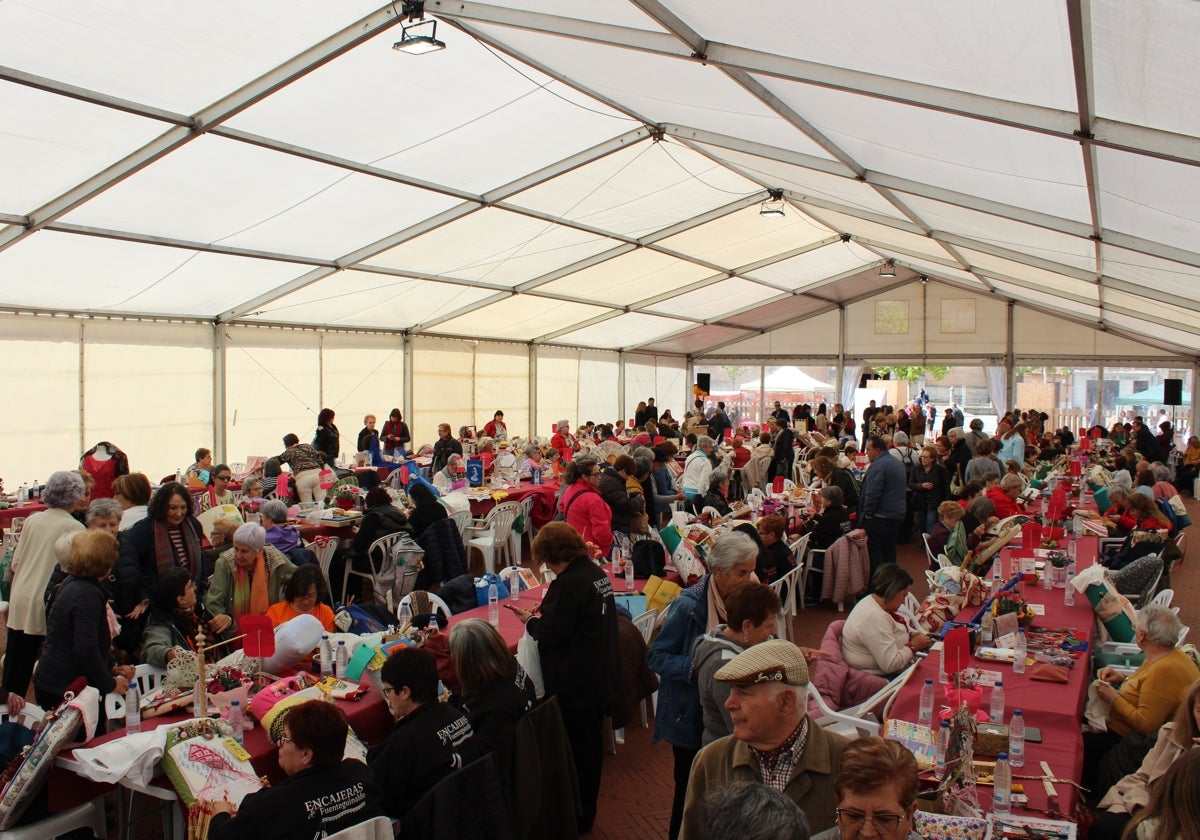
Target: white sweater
873,641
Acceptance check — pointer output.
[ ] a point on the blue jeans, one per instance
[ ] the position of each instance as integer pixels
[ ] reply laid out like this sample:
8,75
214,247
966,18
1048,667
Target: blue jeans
881,540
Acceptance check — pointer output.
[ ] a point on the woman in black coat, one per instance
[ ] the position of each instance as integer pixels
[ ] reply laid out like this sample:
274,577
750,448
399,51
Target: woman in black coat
77,634
930,485
327,440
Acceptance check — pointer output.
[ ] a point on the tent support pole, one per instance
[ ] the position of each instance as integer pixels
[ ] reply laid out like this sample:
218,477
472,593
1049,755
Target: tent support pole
1195,417
406,394
533,392
219,438
1009,366
1099,406
83,447
841,357
620,387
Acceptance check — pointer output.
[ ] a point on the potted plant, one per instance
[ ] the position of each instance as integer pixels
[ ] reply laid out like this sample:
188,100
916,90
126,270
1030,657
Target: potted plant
1011,602
1056,567
346,498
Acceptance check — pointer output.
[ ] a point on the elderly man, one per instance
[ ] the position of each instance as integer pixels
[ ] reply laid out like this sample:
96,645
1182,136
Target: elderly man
563,440
780,414
882,502
445,447
774,742
785,451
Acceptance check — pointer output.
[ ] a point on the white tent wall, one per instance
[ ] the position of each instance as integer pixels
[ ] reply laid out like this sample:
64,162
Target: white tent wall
272,387
148,388
816,335
1039,334
443,389
599,386
361,374
501,383
557,387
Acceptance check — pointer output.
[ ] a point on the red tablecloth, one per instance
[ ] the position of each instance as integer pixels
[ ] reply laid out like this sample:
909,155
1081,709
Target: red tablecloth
1056,709
9,514
369,717
543,504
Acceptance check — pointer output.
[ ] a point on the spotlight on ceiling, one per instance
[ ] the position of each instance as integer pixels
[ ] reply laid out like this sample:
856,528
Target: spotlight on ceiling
773,207
888,269
924,279
419,36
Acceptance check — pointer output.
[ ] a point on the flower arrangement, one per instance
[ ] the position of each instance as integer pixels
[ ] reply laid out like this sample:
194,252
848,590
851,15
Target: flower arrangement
226,678
345,498
1057,559
1011,602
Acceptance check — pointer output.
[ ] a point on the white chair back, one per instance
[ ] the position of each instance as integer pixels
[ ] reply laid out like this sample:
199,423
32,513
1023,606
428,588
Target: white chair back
148,679
434,600
645,624
325,554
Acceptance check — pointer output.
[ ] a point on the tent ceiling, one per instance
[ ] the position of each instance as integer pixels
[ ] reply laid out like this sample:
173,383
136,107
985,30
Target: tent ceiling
591,174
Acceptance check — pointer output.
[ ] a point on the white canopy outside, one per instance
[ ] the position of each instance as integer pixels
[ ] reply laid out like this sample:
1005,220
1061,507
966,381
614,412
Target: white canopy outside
788,379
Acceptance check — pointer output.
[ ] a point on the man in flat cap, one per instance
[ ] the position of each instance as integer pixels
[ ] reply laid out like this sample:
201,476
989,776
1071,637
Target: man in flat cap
774,742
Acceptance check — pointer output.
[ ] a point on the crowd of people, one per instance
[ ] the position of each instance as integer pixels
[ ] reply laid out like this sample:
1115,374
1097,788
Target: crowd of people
100,584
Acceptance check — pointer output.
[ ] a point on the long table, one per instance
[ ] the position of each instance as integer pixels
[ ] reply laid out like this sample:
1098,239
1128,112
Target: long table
543,505
1056,709
9,514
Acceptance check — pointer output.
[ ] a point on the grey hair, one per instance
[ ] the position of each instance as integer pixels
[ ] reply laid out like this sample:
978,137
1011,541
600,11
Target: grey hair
1160,624
276,510
643,452
956,433
532,449
250,484
717,478
833,494
981,507
703,441
562,423
900,439
753,811
252,535
643,464
730,550
63,489
1161,473
1011,482
102,509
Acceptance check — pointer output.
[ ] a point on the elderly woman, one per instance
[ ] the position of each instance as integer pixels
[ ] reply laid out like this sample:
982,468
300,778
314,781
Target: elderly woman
983,464
368,435
283,536
752,611
33,563
132,493
105,515
576,633
252,488
949,536
697,469
696,610
614,489
395,434
532,460
876,784
929,484
495,692
1004,496
875,638
582,505
78,639
1132,793
324,794
717,496
563,440
327,440
1144,700
455,470
199,471
248,579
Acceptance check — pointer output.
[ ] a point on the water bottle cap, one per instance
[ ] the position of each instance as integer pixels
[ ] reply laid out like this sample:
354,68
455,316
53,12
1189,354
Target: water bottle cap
341,642
945,724
1003,756
999,684
1017,712
928,682
234,703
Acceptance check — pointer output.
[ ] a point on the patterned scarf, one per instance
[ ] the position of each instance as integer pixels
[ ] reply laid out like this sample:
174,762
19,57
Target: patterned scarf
165,555
250,589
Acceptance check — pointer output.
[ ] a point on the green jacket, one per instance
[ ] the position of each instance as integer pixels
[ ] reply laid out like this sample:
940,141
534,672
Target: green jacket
220,591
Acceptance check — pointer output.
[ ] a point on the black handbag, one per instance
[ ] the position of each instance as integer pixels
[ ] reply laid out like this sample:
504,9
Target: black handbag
649,558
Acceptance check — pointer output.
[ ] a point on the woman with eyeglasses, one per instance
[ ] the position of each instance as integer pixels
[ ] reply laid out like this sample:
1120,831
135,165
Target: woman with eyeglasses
324,794
582,505
218,492
875,792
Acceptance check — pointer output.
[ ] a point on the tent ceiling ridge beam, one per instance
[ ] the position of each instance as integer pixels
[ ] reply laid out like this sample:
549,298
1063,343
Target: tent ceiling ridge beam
404,274
1151,316
763,150
298,326
703,218
1154,249
462,310
669,21
106,315
104,100
833,307
225,108
352,259
806,200
185,244
1118,285
1079,25
832,239
1015,256
581,325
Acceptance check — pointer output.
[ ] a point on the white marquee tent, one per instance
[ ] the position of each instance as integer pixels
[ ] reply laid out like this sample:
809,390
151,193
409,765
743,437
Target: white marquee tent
217,216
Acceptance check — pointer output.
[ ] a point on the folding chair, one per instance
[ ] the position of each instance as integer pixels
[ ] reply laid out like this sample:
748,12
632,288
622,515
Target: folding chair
490,536
929,555
148,679
379,554
859,721
785,588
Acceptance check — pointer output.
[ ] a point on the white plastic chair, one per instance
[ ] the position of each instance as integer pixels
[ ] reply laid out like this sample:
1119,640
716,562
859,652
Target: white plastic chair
1164,598
517,538
325,555
929,555
381,553
490,536
148,679
645,624
1181,541
434,600
89,815
510,576
785,588
858,721
800,560
462,519
379,828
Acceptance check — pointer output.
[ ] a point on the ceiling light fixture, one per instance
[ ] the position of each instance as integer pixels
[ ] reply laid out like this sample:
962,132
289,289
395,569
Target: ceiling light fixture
773,207
924,279
413,39
888,269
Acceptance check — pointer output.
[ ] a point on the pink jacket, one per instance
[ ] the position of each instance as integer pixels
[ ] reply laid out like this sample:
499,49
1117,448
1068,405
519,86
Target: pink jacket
590,515
847,568
840,685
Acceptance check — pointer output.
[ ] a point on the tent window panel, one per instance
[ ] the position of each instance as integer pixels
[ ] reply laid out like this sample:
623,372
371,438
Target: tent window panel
557,389
41,425
443,392
159,434
502,384
270,392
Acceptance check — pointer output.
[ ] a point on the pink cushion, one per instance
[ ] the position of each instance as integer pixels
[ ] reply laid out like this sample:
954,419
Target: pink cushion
840,685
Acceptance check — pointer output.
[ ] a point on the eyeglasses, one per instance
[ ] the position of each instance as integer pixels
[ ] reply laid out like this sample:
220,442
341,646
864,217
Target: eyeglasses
885,824
224,477
387,689
283,739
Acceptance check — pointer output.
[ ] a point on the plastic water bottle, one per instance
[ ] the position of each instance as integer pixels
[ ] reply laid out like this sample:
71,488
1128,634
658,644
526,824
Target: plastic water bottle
1002,786
23,493
35,491
939,750
943,677
535,475
343,657
326,656
236,722
629,574
1020,653
404,614
514,588
925,715
1069,589
493,605
996,710
1047,573
996,576
1016,739
133,709
179,475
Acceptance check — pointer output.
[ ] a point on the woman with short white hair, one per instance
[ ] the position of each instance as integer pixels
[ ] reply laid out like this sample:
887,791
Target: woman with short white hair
248,578
697,469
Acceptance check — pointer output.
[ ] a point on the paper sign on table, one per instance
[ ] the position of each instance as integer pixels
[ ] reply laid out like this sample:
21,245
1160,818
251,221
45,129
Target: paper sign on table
1037,609
990,678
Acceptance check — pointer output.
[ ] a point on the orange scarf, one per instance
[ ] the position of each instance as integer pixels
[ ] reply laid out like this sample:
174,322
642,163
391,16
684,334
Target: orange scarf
250,590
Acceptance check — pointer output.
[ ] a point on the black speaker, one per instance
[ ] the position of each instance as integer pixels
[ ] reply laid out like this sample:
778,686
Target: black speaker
704,382
1172,392
864,379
